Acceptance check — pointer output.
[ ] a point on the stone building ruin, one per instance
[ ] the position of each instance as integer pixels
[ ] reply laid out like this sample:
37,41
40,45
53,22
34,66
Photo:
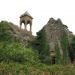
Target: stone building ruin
26,19
56,32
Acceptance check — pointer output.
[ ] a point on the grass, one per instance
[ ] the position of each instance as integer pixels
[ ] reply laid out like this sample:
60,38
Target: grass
41,69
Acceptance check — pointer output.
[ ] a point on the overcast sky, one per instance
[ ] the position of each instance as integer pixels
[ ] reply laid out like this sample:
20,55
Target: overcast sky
41,11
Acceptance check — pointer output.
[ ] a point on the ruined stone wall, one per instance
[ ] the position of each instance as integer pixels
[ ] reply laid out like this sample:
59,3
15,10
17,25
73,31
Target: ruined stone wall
24,36
57,37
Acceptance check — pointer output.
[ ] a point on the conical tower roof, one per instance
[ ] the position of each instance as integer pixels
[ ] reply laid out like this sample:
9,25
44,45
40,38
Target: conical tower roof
26,14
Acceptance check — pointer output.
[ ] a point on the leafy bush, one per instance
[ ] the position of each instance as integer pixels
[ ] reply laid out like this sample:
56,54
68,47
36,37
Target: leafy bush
12,49
5,34
16,52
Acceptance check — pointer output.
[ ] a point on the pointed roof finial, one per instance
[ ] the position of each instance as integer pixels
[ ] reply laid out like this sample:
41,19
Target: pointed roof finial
26,14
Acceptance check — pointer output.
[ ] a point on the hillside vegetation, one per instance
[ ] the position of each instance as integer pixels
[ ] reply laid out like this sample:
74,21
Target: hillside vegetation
16,59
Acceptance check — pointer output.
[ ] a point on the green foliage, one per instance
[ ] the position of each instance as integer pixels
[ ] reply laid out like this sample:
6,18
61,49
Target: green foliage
12,49
42,46
15,59
72,49
65,45
17,53
5,31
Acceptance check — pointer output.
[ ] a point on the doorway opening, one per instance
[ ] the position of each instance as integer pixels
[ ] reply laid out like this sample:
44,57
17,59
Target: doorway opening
53,60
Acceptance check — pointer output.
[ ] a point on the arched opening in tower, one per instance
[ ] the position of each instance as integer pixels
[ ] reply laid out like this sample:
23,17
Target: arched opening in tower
22,26
28,27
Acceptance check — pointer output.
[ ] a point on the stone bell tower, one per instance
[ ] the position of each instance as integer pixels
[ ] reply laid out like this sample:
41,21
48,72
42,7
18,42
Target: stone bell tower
26,18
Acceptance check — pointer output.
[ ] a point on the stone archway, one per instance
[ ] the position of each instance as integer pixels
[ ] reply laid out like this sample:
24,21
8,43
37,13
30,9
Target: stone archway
26,18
